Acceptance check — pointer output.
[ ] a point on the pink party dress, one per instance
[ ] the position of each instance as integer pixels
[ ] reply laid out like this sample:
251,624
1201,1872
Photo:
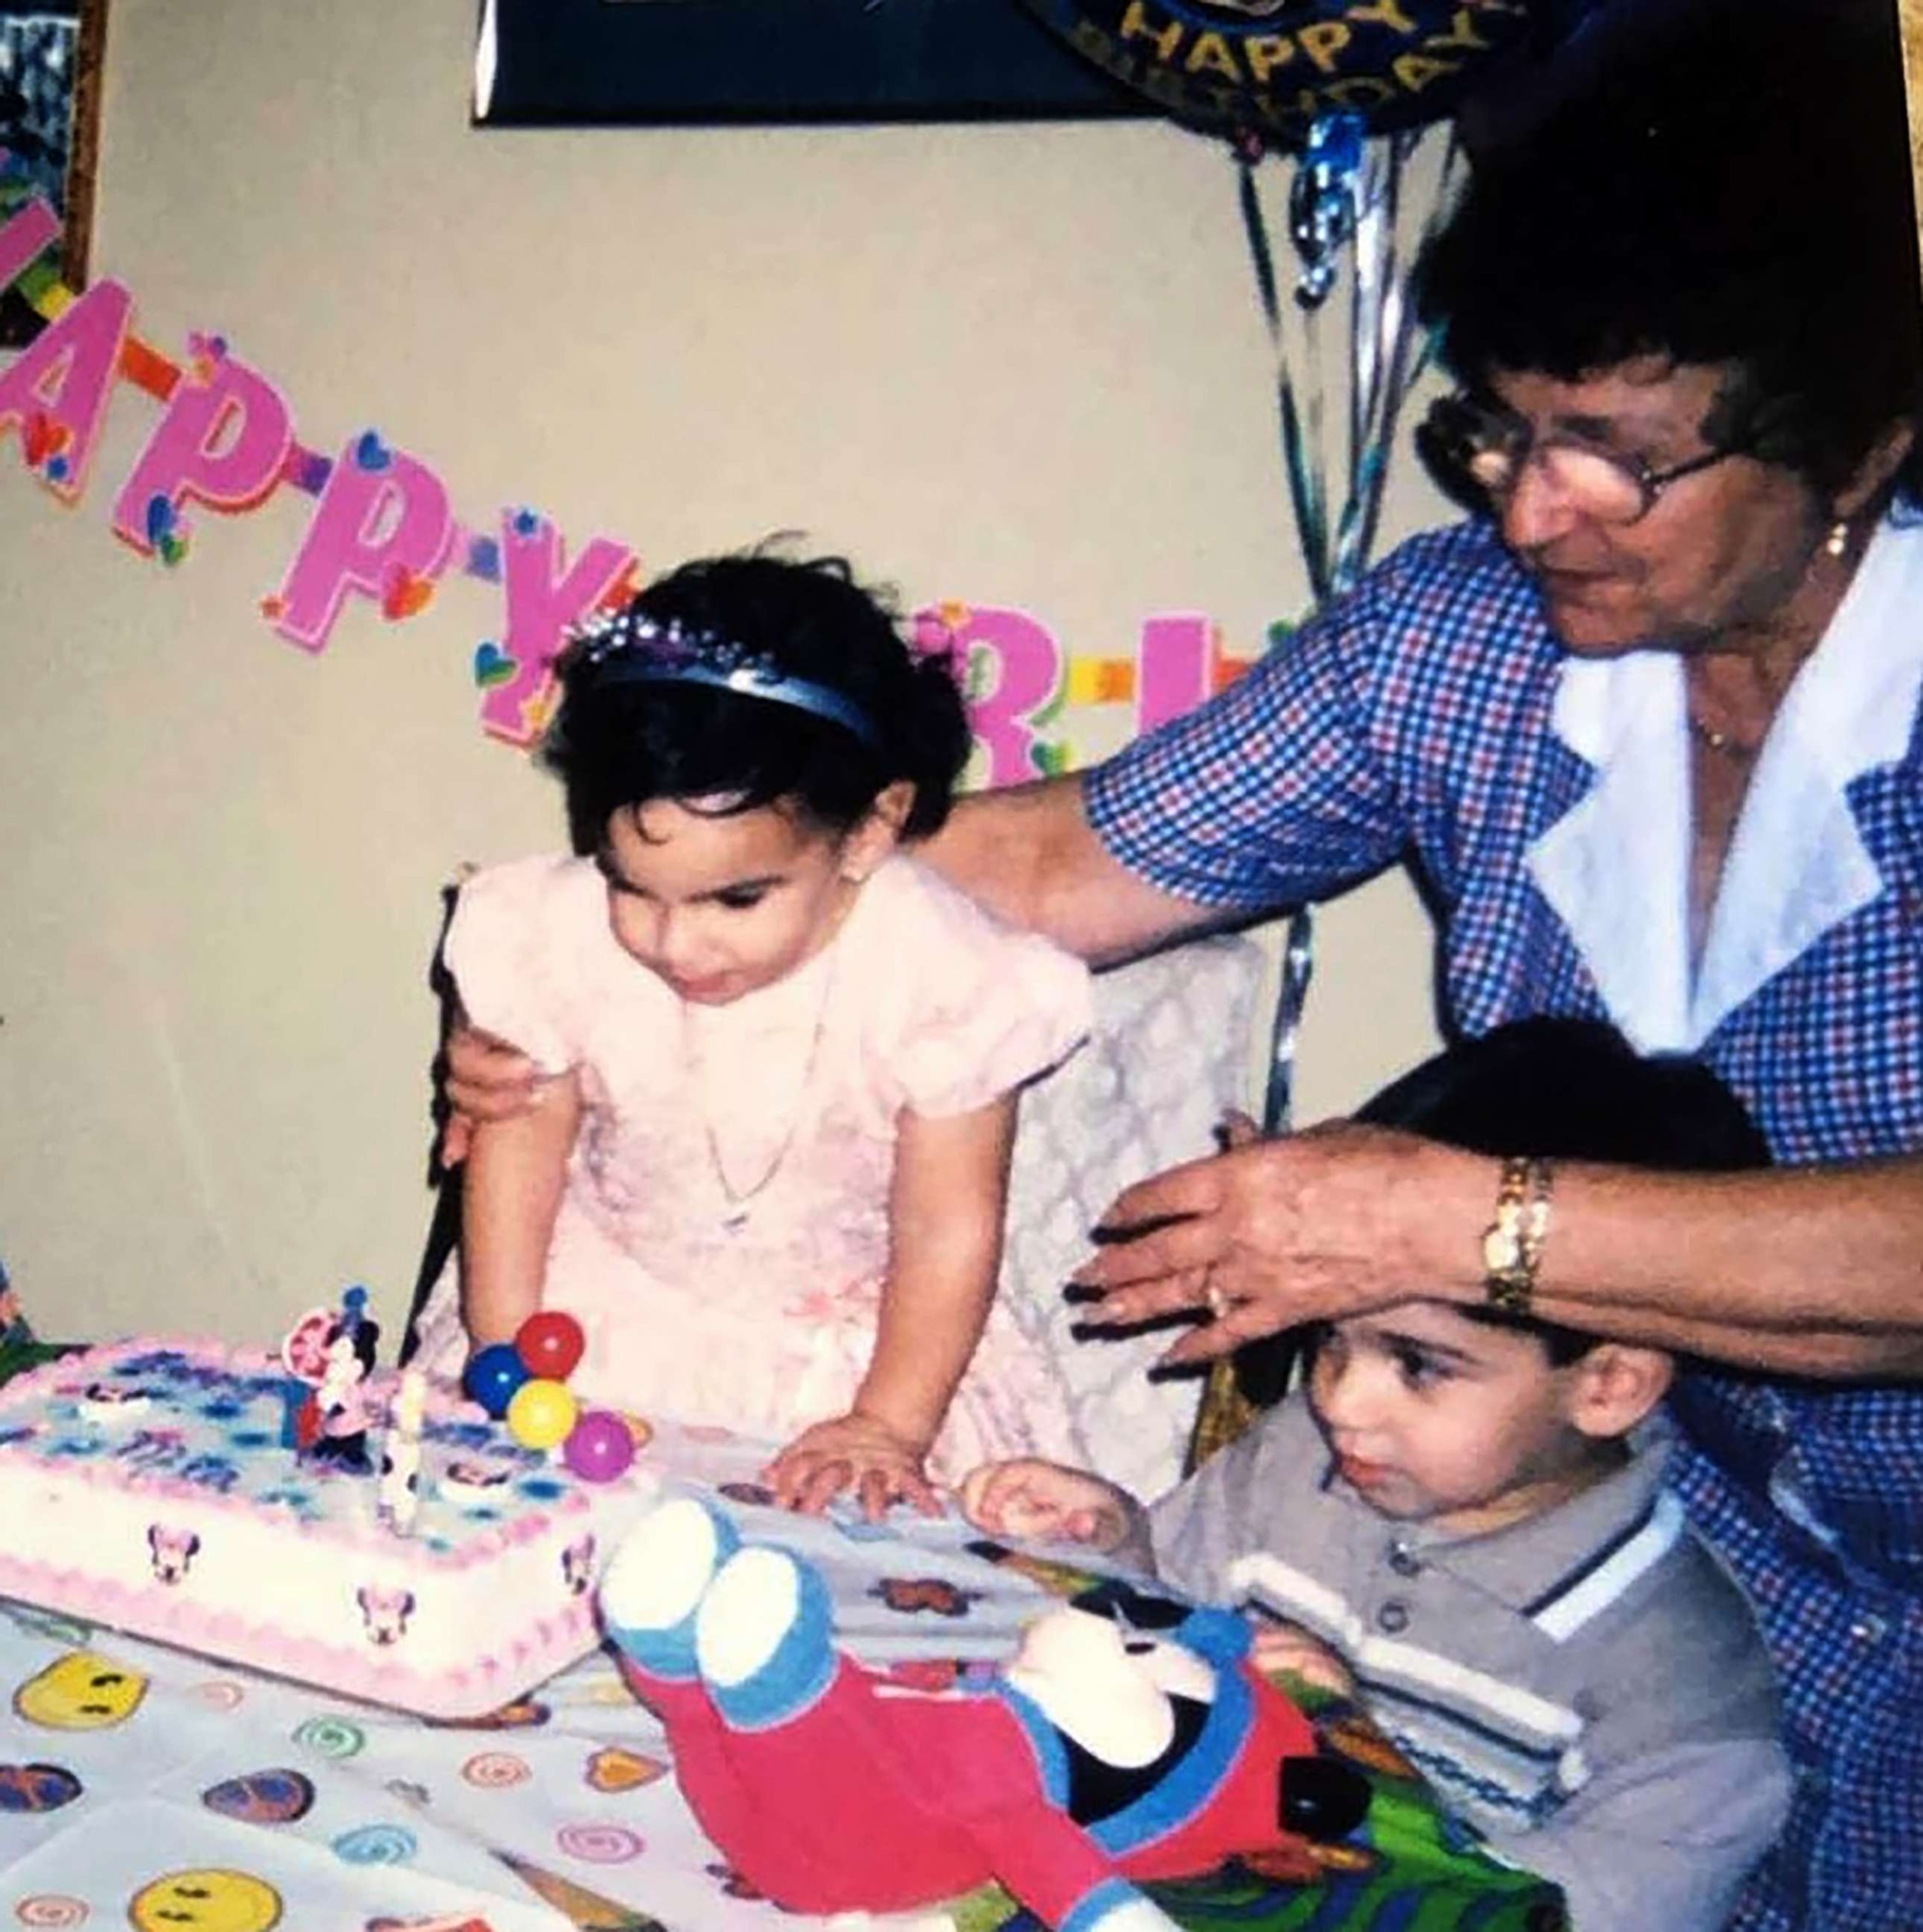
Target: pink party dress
723,1233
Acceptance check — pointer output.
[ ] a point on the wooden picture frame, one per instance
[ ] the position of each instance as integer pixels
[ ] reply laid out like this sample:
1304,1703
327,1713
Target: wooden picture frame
50,124
1910,18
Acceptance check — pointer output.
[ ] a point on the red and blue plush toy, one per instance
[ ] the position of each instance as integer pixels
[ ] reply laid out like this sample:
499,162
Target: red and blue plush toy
1099,1756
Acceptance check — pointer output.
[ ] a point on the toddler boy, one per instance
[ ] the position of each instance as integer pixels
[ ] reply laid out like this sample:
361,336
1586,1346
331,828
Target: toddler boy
1461,1518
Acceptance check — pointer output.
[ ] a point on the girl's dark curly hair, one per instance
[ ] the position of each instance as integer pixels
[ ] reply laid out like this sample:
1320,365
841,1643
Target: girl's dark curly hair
1733,187
615,743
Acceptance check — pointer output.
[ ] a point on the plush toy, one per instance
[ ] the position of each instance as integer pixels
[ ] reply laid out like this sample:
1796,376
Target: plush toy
1101,1754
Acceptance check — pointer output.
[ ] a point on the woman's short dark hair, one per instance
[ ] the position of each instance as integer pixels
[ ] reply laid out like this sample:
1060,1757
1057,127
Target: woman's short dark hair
1571,1089
1733,186
616,743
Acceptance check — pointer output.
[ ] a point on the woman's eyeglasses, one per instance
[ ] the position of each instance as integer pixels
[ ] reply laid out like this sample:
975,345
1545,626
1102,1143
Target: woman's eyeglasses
1477,454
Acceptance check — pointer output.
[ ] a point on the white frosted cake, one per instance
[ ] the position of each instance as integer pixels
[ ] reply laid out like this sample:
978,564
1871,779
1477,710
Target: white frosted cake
144,1485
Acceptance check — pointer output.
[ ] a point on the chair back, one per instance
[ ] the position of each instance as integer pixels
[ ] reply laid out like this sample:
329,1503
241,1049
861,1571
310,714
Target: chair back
1170,1052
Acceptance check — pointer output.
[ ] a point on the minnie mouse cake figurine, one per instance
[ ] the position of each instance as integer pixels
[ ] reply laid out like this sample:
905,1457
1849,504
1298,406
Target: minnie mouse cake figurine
331,1353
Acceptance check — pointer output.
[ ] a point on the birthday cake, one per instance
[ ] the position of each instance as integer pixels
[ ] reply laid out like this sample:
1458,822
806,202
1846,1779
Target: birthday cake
154,1486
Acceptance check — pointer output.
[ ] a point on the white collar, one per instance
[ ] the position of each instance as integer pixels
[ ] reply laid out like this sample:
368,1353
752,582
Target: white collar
1615,866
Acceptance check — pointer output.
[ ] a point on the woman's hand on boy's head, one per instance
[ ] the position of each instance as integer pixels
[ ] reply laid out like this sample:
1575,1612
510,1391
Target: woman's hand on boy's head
1043,1502
853,1452
1332,1221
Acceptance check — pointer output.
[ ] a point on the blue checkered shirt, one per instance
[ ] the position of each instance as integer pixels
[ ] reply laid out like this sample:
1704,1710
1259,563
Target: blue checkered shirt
1411,721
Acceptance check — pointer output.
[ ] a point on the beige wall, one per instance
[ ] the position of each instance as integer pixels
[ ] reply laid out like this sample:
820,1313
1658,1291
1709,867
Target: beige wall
1018,364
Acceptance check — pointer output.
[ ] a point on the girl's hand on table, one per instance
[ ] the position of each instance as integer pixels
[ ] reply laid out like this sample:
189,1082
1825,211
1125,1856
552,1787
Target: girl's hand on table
1045,1502
852,1452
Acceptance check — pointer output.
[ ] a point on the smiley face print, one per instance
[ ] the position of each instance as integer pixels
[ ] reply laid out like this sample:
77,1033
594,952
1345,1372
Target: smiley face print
82,1691
207,1900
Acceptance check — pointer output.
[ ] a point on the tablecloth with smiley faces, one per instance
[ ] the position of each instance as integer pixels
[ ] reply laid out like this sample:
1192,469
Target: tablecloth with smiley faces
143,1786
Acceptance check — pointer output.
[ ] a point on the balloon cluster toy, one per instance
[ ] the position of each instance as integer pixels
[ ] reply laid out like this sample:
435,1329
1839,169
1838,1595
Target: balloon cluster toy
1103,1754
524,1383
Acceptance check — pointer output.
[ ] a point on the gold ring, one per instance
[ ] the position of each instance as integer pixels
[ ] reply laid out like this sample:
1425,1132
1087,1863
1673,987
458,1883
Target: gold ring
1218,1302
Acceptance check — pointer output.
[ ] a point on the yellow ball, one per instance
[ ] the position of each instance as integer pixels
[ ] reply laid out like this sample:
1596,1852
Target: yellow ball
541,1414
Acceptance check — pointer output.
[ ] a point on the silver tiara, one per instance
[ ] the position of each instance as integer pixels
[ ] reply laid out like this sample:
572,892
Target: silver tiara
627,647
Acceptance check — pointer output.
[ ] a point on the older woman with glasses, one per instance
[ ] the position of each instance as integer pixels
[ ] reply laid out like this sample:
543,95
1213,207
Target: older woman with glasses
1647,726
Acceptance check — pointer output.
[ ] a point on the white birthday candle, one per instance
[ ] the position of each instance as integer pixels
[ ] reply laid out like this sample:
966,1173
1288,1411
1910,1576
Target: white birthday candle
400,1494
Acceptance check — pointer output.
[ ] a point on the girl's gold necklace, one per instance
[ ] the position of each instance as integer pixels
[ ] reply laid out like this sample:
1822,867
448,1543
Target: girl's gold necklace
740,1200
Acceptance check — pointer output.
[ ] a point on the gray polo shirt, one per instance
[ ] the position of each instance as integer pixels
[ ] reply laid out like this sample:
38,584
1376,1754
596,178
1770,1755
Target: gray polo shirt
1585,1686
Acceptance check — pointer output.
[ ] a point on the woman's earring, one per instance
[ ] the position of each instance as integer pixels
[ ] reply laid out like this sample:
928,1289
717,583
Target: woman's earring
1837,541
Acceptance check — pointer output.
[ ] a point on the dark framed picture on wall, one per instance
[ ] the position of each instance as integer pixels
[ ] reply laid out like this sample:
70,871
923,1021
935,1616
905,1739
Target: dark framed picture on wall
561,63
50,56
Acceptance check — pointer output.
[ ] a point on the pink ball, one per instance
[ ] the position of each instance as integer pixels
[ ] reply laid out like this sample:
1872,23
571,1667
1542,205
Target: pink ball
600,1448
551,1343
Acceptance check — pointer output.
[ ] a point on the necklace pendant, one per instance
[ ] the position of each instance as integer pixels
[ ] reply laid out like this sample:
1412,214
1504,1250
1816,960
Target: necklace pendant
740,1201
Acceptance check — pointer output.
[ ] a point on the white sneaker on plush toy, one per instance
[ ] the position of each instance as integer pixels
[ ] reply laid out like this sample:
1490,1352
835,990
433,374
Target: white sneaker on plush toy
763,1638
658,1578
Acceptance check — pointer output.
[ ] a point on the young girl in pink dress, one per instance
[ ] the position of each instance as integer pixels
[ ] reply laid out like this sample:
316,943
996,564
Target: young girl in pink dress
768,1173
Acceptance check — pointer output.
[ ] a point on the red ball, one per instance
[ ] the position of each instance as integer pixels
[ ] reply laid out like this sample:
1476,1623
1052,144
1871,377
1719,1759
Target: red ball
551,1343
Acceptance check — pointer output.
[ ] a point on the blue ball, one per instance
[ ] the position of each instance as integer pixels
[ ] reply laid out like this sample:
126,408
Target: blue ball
493,1375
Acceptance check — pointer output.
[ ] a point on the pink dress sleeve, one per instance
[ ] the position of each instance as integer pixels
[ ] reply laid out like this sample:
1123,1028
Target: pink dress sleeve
515,946
970,1008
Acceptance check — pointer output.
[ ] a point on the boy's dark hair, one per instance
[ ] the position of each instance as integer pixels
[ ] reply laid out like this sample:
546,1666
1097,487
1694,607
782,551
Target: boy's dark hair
1570,1089
1732,185
616,743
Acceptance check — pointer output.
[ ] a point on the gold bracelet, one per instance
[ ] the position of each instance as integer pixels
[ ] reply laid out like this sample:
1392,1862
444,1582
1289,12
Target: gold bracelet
1513,1242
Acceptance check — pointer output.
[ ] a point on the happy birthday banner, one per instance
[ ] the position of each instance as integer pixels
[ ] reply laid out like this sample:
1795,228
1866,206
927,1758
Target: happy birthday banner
383,531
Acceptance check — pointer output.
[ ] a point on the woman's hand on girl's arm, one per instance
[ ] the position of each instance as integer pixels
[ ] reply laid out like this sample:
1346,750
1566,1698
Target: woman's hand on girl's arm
486,1078
852,1452
511,1193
